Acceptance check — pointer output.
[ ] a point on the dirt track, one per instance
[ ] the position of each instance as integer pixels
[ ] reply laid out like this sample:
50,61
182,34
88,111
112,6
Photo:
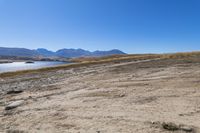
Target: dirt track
133,97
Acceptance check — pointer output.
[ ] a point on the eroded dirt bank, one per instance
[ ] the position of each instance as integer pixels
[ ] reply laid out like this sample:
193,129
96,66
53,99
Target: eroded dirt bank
129,97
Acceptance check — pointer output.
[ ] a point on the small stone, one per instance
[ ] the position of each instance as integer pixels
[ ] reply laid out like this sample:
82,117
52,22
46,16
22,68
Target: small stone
122,95
186,128
14,91
153,122
170,126
14,104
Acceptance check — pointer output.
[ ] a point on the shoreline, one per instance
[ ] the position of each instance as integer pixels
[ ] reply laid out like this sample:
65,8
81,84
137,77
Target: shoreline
32,69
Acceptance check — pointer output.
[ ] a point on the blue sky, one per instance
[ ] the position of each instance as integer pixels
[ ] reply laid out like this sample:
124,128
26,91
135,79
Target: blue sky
134,26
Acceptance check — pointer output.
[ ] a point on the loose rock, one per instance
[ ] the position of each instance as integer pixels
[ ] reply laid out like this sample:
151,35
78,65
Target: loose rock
14,91
186,128
170,126
14,104
122,95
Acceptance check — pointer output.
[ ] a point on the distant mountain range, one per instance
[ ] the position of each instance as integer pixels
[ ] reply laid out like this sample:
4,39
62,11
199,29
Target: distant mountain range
67,53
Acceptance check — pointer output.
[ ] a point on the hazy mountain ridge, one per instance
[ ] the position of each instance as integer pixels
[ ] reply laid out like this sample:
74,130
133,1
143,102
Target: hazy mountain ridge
72,53
45,52
68,53
23,52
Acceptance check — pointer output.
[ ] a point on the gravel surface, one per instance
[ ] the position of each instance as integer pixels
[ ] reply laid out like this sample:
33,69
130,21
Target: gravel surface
148,96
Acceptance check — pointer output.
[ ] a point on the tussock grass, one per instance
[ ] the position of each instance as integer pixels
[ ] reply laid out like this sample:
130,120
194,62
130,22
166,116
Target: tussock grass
181,55
116,58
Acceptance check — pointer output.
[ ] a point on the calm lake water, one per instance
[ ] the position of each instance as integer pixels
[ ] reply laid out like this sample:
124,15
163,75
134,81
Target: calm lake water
15,66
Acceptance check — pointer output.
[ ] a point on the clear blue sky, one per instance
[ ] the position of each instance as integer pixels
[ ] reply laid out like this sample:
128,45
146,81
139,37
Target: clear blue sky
134,26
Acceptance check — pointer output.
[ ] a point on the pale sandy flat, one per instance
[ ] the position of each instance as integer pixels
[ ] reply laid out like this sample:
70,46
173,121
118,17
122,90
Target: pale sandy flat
129,97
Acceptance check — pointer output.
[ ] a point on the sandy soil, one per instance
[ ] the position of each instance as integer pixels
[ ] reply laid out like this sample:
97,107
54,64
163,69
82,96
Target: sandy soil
128,97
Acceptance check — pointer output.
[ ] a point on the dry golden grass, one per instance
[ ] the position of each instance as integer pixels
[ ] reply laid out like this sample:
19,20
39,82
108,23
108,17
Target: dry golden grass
181,55
116,58
84,61
137,57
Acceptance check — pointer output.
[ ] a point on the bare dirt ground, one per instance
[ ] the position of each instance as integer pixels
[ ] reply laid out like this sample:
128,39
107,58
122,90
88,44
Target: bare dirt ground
126,97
